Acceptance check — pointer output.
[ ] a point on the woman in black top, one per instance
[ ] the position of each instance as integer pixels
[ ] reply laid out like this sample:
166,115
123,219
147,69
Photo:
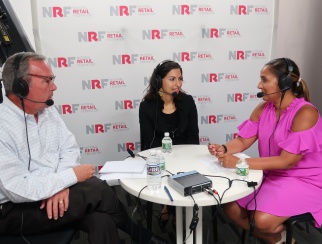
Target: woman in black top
167,108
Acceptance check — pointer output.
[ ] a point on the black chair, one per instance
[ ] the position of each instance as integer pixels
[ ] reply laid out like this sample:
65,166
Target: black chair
289,224
58,237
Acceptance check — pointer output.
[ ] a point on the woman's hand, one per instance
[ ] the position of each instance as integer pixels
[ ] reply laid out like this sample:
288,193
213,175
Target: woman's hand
227,160
216,149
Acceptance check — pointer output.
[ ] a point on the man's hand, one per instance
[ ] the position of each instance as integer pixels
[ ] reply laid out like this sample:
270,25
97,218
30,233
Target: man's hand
57,204
84,172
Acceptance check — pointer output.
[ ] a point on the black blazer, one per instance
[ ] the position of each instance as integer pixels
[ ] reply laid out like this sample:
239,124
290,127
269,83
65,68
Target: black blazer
153,125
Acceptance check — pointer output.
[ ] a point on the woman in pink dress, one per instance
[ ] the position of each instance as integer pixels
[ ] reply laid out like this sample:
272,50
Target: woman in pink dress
289,133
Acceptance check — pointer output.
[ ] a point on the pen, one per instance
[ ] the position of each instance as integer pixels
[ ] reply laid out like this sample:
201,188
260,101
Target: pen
168,192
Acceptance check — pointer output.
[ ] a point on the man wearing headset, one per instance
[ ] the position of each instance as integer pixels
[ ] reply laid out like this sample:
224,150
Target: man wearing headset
43,186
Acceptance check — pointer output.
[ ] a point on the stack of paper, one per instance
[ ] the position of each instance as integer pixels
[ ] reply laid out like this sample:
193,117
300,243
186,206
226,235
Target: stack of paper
129,168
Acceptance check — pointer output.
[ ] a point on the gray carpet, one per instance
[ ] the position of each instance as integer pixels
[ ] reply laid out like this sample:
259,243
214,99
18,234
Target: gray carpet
227,232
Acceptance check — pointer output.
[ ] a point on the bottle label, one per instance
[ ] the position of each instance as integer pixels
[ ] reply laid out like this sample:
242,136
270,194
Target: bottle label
162,165
242,170
153,169
166,146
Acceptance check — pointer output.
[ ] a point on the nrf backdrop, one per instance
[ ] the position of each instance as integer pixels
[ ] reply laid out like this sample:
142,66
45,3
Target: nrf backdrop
103,53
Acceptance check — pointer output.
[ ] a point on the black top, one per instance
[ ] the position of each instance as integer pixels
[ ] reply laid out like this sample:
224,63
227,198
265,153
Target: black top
182,125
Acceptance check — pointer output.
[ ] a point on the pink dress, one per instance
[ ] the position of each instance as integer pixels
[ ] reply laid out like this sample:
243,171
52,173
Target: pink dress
291,191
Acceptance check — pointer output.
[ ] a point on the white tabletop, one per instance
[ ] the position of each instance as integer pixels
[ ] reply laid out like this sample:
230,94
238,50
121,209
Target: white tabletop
187,158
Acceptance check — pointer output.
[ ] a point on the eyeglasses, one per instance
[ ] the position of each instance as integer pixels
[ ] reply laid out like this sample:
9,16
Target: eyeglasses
49,79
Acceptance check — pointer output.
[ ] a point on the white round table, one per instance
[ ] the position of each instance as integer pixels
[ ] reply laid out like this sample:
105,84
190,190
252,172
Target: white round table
186,158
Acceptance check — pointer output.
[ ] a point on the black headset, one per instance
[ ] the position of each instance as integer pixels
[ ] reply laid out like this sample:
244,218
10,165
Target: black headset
157,82
19,87
285,81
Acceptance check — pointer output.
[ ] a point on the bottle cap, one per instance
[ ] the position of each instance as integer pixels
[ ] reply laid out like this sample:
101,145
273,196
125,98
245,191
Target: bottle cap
166,133
153,152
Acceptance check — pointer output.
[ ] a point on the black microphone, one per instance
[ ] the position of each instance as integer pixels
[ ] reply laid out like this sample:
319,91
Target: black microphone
131,153
49,102
261,94
174,94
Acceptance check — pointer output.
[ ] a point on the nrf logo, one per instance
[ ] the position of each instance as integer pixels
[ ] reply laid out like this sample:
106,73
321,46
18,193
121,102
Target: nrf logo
132,59
191,9
246,55
63,12
218,77
98,128
134,146
127,104
248,9
130,10
192,56
215,119
100,84
242,97
73,108
91,150
159,34
219,33
98,36
67,62
95,84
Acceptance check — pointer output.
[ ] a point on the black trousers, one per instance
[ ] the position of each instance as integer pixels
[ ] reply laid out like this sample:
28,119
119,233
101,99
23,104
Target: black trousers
93,208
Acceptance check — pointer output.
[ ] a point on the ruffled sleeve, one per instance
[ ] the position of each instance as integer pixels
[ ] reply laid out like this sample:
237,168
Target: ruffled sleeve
303,142
248,129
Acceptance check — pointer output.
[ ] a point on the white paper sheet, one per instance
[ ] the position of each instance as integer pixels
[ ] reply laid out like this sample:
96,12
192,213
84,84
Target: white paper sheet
131,165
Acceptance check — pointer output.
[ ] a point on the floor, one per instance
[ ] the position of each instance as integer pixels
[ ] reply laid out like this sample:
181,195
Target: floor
227,232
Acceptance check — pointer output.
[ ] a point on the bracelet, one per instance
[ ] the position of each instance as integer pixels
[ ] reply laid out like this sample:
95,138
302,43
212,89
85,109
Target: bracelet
225,148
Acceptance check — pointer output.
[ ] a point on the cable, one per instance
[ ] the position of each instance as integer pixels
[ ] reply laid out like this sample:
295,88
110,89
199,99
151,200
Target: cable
24,113
156,119
252,219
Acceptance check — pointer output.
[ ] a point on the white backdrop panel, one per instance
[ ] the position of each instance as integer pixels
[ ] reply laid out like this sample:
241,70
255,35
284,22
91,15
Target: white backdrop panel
103,53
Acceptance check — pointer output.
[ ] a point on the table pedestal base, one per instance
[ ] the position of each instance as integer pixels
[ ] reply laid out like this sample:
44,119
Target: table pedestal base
183,233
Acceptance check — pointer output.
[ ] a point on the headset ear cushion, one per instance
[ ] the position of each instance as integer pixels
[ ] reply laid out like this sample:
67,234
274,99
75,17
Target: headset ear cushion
158,81
281,82
20,88
285,82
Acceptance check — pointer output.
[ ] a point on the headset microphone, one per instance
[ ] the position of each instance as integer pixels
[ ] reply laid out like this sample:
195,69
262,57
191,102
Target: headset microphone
261,94
49,102
174,94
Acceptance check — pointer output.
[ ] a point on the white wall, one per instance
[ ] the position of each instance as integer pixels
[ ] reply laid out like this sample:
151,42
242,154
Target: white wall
299,37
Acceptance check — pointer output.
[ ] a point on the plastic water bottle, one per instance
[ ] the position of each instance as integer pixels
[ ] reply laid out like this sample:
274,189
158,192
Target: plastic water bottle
166,143
153,172
161,160
242,169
